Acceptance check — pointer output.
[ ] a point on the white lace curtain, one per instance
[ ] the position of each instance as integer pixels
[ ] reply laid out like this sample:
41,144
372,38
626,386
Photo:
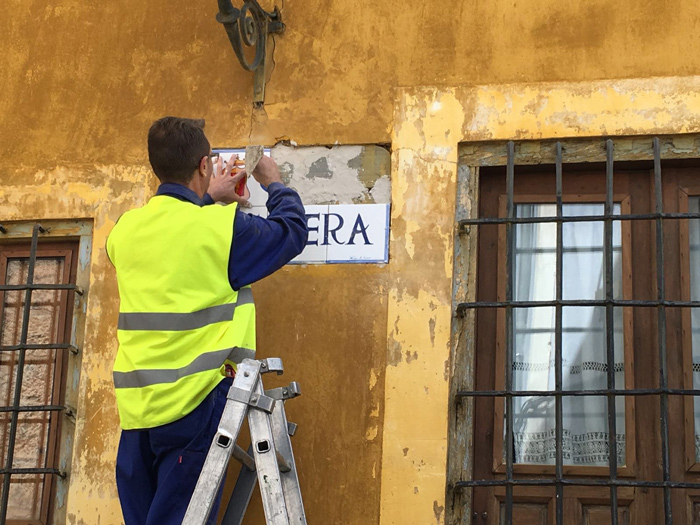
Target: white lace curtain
694,231
585,420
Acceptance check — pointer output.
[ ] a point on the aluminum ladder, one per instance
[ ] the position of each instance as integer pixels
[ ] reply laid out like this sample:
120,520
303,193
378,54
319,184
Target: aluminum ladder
272,461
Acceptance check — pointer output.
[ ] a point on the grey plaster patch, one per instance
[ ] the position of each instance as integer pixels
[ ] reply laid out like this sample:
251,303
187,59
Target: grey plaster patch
287,172
320,169
355,163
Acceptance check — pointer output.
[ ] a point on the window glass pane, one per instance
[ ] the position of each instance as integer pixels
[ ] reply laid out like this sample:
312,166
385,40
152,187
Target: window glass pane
32,444
583,339
694,238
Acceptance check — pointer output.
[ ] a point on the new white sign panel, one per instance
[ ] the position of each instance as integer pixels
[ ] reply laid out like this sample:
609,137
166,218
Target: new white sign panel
258,196
347,233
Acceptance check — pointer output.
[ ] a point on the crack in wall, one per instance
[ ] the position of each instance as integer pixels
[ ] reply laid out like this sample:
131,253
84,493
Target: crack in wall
424,159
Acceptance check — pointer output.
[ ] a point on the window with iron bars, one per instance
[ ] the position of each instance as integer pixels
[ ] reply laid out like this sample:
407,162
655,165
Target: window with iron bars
577,334
37,350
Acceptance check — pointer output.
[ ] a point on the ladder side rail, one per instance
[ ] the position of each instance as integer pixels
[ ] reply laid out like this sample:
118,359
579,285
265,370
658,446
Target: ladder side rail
290,479
207,488
269,477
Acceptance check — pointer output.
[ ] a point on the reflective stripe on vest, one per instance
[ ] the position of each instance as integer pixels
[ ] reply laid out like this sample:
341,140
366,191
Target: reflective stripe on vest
202,363
180,322
189,321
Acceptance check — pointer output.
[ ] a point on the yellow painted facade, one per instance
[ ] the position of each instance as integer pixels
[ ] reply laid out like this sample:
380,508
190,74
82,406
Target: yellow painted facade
370,344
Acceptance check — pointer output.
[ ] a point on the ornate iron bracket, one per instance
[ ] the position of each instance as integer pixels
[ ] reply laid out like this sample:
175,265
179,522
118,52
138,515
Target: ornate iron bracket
251,28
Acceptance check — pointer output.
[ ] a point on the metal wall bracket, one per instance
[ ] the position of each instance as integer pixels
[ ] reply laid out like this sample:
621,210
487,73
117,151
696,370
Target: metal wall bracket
250,31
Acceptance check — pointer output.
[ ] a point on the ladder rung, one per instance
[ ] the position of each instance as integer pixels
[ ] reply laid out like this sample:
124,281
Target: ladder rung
282,462
245,458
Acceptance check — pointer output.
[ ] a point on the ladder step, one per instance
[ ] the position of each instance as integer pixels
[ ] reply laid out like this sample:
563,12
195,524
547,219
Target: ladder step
244,458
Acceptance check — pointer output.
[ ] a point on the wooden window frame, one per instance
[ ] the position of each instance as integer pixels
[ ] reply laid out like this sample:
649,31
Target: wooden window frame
52,250
18,234
472,158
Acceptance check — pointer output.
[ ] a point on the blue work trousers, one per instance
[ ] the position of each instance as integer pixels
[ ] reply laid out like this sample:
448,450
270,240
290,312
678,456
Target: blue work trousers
158,468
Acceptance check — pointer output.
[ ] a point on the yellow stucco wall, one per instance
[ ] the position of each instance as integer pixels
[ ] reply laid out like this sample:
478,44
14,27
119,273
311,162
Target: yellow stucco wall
82,83
430,123
100,72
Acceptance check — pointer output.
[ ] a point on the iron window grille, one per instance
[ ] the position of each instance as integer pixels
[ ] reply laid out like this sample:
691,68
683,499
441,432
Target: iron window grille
8,470
559,480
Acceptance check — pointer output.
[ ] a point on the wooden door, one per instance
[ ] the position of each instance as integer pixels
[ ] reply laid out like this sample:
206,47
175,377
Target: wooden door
636,345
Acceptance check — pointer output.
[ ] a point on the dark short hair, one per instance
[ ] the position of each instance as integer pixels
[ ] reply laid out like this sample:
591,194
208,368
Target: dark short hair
175,148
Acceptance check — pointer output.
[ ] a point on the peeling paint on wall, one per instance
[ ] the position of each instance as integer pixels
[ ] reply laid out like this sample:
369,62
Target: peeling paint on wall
336,175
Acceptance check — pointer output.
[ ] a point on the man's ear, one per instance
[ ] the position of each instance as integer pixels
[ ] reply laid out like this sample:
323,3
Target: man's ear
202,169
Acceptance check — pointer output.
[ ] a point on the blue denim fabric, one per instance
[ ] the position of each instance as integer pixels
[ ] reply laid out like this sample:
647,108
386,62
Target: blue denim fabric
158,468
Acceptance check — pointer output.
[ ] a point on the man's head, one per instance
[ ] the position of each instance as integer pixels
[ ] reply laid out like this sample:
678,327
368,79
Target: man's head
177,149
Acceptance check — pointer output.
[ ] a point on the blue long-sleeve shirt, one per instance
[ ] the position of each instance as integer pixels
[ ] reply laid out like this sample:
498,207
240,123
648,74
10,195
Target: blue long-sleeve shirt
260,246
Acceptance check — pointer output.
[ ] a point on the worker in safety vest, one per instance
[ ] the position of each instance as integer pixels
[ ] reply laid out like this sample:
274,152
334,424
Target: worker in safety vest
184,267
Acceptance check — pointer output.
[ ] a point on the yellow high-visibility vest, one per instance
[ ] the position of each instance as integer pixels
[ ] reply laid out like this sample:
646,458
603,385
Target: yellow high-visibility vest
180,322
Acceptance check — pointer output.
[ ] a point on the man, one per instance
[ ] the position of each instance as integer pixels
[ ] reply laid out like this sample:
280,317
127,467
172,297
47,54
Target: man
184,267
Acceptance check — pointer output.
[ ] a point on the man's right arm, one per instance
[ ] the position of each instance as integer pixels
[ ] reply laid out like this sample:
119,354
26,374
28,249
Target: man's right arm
262,246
